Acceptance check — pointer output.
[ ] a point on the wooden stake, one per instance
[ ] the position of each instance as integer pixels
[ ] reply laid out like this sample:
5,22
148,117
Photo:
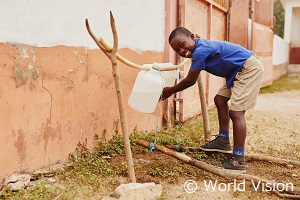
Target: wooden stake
112,56
204,109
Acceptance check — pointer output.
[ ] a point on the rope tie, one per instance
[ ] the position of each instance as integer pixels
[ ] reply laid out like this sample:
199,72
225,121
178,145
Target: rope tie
176,147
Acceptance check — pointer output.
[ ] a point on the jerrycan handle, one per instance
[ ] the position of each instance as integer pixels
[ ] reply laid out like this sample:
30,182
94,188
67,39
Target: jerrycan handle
156,71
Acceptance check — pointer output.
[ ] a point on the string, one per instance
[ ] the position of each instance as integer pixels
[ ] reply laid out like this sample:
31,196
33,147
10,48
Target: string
176,147
152,144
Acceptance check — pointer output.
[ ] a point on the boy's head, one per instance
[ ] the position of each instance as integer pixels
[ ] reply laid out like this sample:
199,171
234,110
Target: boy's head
182,41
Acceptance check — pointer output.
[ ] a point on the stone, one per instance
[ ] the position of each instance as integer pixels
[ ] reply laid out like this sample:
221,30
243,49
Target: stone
133,191
16,181
51,180
289,166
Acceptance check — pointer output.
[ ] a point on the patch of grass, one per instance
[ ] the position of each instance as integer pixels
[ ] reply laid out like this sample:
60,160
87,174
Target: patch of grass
158,169
91,164
113,146
197,155
184,135
284,83
87,175
42,191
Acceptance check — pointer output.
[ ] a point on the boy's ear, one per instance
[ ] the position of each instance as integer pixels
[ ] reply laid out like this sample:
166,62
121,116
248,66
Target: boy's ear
192,36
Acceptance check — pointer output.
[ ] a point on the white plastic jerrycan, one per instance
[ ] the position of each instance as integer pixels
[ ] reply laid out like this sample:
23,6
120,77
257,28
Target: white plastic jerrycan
146,90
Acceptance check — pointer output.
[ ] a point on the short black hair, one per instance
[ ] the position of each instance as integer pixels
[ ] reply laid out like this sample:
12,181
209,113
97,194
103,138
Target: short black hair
179,31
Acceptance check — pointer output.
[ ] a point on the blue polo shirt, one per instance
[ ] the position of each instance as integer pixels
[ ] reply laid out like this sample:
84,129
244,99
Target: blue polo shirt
220,58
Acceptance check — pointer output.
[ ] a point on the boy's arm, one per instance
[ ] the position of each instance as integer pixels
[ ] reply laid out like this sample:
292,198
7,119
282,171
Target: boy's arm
188,81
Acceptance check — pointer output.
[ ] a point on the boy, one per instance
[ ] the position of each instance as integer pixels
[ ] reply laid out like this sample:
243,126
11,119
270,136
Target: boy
243,73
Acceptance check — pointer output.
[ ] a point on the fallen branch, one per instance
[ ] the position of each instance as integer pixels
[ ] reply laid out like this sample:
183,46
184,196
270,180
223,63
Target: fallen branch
289,196
227,174
248,156
272,159
183,148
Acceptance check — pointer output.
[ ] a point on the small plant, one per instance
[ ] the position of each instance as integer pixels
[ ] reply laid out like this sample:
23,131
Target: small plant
197,155
113,146
170,173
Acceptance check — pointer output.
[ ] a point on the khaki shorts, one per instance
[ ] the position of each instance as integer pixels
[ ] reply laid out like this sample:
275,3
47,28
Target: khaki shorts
246,85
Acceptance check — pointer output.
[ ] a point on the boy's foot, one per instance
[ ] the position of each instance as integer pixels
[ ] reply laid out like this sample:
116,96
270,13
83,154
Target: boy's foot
235,162
219,144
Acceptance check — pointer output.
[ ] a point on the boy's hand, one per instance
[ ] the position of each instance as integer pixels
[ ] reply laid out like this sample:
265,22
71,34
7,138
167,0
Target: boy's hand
166,93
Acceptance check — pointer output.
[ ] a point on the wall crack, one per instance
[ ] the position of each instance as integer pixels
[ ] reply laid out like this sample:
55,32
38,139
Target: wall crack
50,112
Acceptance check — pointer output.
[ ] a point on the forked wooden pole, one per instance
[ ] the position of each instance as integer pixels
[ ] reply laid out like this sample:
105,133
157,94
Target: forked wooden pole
112,56
136,66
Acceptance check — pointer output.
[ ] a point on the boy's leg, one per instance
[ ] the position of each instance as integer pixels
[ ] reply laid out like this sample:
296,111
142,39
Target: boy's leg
223,111
237,161
244,94
239,127
221,142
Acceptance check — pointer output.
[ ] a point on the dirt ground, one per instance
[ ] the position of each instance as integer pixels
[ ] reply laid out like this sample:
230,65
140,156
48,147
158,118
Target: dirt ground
277,121
273,130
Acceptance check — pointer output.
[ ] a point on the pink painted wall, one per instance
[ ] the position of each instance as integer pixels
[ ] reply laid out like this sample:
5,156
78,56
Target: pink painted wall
239,14
262,34
208,22
67,97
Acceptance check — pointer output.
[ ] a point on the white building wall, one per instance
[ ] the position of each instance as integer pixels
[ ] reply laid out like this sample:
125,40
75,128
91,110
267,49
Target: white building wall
57,22
290,4
280,51
295,36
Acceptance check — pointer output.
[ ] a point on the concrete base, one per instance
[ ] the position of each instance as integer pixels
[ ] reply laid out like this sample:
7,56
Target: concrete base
294,69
